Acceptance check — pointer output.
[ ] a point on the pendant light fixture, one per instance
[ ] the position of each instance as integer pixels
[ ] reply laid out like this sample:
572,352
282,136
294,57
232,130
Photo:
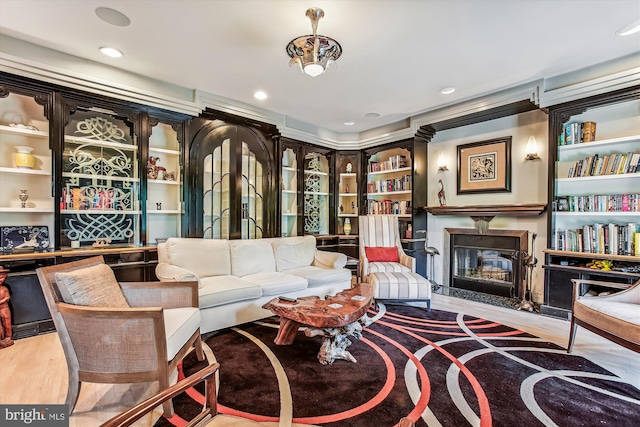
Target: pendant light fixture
313,53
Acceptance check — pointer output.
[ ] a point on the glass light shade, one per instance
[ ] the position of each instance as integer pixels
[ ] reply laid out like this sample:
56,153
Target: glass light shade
313,69
532,149
442,162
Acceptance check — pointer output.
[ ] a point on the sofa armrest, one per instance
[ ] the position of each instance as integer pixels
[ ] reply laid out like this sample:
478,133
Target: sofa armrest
161,294
166,272
326,259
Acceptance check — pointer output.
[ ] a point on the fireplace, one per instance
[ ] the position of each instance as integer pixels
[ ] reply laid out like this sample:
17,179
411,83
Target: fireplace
490,263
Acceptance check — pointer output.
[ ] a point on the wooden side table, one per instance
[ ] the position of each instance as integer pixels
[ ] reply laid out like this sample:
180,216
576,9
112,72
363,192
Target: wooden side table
354,264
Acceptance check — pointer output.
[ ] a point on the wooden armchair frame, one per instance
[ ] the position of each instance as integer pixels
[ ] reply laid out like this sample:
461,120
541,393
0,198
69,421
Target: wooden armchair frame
208,411
619,296
137,345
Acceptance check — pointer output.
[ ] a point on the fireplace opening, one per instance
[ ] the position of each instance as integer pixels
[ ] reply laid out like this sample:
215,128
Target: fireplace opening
490,263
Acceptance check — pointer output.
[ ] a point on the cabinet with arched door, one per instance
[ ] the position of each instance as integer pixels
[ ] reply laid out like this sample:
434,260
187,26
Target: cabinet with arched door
231,192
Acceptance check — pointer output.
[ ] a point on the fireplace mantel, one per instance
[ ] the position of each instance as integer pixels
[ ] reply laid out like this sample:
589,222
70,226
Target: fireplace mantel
483,214
488,210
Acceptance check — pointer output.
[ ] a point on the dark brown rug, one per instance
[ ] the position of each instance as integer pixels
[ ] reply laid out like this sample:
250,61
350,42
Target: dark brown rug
438,368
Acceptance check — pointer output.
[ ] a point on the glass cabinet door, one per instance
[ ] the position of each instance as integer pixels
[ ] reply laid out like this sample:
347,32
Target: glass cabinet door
101,186
216,196
316,194
252,191
289,188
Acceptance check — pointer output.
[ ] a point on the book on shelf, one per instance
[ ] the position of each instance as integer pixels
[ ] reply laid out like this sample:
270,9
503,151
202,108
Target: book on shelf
577,133
599,203
588,131
613,164
599,238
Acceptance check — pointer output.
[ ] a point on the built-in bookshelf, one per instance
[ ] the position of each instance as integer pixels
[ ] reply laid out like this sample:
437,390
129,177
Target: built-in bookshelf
389,183
594,189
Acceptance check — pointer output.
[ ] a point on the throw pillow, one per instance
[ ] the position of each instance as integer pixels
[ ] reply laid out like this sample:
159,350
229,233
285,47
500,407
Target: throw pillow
94,286
382,254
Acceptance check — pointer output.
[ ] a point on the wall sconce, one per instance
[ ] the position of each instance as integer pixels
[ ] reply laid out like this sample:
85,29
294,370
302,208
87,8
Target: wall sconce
442,162
532,149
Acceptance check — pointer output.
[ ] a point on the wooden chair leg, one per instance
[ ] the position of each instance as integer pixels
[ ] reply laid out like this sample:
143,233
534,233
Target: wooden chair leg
429,305
199,350
572,334
167,406
73,391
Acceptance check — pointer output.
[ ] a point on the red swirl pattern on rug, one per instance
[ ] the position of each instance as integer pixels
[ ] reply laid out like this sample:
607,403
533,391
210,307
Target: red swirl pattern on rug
437,368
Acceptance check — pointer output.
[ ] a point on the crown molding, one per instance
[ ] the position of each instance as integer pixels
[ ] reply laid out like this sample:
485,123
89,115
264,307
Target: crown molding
528,91
47,73
609,83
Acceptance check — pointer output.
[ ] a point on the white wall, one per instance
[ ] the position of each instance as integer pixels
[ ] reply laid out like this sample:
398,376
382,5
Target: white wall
528,184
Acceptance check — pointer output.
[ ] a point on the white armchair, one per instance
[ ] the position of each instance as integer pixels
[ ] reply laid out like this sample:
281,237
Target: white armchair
381,231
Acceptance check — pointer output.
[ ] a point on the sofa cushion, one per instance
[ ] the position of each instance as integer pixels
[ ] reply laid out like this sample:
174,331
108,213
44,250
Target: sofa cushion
294,252
94,286
275,283
179,325
220,290
251,256
377,267
317,276
204,257
382,254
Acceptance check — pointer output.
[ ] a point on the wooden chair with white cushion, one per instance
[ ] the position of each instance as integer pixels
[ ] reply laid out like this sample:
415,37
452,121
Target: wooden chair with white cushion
208,417
385,265
615,317
119,332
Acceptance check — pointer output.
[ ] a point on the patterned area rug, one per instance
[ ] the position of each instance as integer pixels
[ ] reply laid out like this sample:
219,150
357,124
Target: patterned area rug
438,368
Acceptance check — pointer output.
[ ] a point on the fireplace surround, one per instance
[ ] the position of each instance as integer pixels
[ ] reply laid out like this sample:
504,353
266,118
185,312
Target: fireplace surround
490,263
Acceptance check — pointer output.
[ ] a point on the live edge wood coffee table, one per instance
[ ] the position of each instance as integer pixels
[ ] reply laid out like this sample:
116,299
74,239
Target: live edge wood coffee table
335,318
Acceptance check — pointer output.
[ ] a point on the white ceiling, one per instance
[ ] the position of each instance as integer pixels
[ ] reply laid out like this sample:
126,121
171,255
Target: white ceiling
397,55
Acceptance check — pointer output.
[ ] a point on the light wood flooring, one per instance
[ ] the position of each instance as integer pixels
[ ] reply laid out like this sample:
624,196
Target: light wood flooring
33,371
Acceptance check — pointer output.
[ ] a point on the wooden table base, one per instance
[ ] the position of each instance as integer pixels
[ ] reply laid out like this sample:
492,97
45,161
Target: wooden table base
336,340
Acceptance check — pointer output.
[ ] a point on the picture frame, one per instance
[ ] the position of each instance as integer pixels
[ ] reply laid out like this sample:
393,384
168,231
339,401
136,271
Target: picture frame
485,166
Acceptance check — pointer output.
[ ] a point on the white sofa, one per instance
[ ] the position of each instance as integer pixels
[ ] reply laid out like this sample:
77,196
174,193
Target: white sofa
236,277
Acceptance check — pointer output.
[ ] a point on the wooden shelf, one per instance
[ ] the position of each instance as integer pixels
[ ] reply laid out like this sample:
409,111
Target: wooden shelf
488,210
590,255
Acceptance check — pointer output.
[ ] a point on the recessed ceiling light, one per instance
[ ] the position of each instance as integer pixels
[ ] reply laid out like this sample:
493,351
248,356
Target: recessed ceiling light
260,95
627,30
349,123
113,17
112,52
372,115
447,90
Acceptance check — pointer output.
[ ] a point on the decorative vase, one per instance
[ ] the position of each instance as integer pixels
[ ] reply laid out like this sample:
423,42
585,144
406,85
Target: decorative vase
23,158
347,226
23,196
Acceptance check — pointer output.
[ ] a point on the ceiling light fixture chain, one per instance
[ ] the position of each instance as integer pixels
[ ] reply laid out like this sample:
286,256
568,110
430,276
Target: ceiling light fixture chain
313,53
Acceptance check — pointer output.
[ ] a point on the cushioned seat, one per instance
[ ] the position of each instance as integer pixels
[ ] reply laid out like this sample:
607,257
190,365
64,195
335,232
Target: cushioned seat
316,276
220,290
179,325
615,317
378,267
275,283
406,286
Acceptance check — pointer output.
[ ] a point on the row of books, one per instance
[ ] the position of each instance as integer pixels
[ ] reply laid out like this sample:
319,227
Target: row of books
388,207
613,239
613,164
402,183
577,133
395,162
598,203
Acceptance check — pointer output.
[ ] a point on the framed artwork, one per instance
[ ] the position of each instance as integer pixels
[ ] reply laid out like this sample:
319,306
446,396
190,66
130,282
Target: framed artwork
485,166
